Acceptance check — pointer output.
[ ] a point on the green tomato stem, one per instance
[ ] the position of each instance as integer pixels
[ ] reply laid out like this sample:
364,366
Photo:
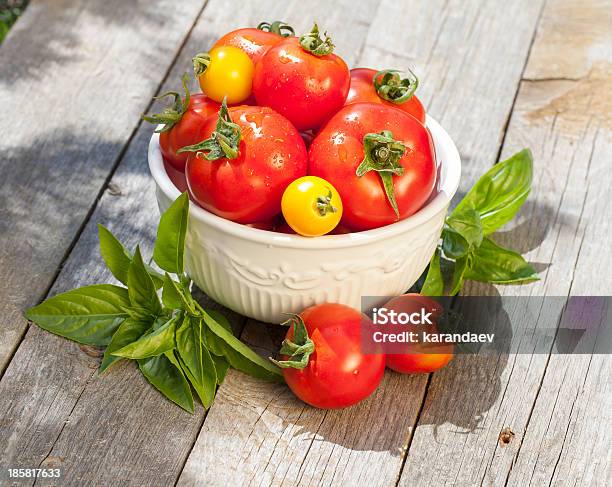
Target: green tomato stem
172,114
314,44
277,27
201,61
224,142
392,87
382,154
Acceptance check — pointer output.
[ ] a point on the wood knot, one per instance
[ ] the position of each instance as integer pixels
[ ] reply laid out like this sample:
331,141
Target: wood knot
114,189
505,436
94,352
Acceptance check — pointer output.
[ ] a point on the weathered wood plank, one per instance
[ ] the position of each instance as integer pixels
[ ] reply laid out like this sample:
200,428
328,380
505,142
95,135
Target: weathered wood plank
555,405
78,400
121,427
566,441
75,76
263,436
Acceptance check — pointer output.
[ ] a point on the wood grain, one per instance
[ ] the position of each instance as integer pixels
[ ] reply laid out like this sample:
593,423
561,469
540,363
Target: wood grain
554,405
278,441
75,77
119,418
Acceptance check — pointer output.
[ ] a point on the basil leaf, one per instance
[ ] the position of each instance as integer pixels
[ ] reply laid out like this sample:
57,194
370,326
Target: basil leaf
142,292
454,245
434,282
495,264
458,275
152,344
118,259
167,378
499,193
114,254
129,331
221,341
171,296
170,243
462,233
88,315
174,295
221,367
199,366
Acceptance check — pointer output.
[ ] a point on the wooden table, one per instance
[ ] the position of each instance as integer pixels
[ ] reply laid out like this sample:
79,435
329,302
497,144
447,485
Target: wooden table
499,75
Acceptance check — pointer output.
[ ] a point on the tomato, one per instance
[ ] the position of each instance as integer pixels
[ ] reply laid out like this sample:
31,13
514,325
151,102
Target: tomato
380,159
419,357
302,80
181,123
333,372
246,159
177,177
267,225
389,89
225,72
255,42
311,206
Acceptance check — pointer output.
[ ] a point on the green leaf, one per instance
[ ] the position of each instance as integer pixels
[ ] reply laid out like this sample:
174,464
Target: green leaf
143,295
129,331
434,282
495,264
221,367
454,245
498,194
171,296
88,315
118,259
171,232
462,233
168,379
114,254
199,366
221,341
174,295
152,344
458,275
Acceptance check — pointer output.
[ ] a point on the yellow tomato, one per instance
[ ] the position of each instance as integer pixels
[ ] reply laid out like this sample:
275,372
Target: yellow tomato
311,206
225,71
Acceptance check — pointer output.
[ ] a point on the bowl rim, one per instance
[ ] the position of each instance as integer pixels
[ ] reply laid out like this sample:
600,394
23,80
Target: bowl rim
447,187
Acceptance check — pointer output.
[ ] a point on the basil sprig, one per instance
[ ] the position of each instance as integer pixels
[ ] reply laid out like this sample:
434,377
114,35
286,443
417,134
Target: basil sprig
177,344
466,251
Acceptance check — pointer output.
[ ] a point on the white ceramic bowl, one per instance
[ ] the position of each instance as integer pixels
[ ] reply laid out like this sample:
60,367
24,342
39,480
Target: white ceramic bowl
264,274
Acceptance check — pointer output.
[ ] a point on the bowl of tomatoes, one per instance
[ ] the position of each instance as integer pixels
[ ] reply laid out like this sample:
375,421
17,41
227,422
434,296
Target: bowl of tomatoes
309,182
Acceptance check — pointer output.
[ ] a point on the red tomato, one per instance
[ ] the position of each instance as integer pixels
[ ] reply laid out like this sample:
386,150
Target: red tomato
363,90
337,374
396,143
418,358
305,86
265,225
182,123
255,42
243,179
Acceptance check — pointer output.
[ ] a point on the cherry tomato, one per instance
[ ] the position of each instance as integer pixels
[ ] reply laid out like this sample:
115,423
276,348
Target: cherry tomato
334,373
255,42
265,225
302,80
418,357
311,206
390,90
380,159
225,72
181,123
246,159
